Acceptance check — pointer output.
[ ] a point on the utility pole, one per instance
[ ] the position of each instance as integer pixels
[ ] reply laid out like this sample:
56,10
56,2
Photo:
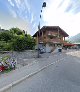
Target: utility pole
43,5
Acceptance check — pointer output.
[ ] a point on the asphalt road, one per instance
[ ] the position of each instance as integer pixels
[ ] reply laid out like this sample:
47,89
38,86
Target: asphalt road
62,76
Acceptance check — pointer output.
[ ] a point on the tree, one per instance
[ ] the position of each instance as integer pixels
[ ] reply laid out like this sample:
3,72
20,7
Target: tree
15,39
19,44
16,31
5,36
30,42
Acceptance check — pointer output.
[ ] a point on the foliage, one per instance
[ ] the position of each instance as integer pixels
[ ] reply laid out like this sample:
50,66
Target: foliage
19,44
5,46
5,36
23,43
30,42
5,58
16,31
16,39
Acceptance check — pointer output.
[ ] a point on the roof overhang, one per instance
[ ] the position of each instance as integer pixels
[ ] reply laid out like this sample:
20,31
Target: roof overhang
44,28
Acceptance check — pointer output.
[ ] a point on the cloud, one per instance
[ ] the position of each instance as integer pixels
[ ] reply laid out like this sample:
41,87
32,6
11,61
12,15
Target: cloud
32,18
27,5
13,13
23,9
11,3
17,16
73,6
18,3
76,6
22,5
8,22
69,8
34,25
56,16
61,3
34,28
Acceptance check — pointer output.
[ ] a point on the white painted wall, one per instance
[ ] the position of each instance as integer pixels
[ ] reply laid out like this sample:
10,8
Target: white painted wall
48,48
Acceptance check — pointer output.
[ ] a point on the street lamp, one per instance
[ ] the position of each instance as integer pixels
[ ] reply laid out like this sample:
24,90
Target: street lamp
43,6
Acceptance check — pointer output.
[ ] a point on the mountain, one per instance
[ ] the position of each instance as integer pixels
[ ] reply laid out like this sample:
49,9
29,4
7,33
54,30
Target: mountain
75,39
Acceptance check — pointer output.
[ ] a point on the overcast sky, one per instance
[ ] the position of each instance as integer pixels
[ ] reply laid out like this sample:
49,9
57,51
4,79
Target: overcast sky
25,14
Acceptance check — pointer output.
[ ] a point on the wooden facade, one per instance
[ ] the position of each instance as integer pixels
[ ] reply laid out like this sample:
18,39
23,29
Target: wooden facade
52,35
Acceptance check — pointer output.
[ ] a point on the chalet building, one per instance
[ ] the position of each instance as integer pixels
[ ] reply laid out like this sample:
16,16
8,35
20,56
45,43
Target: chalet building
49,37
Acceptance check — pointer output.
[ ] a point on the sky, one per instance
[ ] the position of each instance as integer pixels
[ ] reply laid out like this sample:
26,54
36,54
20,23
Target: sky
25,14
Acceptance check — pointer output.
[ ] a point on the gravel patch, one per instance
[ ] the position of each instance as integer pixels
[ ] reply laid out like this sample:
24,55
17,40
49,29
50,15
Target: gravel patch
74,53
23,58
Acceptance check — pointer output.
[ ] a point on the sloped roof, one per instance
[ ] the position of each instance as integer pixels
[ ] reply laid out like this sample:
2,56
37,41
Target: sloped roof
46,28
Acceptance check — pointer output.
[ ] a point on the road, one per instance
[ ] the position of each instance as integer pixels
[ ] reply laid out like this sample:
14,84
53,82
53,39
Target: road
62,76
